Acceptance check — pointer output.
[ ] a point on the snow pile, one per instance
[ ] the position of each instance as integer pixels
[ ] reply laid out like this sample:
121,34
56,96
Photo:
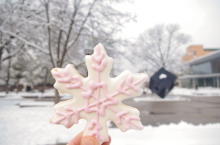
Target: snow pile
50,93
172,134
185,125
158,99
10,95
201,92
36,104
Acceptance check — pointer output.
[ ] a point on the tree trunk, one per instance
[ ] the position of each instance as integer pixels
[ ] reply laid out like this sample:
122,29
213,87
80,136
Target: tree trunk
0,59
163,64
6,86
17,86
8,77
57,97
45,81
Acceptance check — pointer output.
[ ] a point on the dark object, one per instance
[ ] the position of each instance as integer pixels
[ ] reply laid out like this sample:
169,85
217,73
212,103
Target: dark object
162,82
28,88
88,51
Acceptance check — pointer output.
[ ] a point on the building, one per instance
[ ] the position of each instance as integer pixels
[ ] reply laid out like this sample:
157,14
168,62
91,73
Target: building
196,51
204,68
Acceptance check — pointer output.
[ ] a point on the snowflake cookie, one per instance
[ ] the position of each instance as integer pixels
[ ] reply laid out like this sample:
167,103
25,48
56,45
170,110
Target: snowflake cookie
98,97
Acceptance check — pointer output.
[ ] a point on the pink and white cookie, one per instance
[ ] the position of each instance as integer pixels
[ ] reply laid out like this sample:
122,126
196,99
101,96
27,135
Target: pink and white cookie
98,97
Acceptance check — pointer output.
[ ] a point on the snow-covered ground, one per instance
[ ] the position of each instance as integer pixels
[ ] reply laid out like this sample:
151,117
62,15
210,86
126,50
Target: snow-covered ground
174,95
30,126
47,93
172,134
201,92
50,93
158,99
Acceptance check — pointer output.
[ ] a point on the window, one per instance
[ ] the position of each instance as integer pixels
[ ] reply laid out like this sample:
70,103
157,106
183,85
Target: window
203,68
216,66
201,82
209,82
195,54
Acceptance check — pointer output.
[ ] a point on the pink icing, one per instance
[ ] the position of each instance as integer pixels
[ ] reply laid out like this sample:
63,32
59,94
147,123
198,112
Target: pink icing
67,116
86,95
130,85
121,90
97,134
127,120
67,78
97,57
117,120
119,115
76,82
75,111
94,122
100,67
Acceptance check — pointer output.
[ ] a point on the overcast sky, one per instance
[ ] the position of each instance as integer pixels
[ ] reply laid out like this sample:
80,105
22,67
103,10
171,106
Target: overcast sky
198,18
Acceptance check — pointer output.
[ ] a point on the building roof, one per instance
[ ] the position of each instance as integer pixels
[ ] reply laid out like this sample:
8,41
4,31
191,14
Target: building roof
211,49
199,76
209,57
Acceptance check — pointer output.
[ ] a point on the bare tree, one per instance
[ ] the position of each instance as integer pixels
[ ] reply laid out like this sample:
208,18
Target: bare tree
161,46
58,29
7,52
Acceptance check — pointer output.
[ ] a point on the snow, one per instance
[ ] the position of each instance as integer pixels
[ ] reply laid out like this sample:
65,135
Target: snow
30,126
201,92
50,93
158,99
36,104
25,41
172,134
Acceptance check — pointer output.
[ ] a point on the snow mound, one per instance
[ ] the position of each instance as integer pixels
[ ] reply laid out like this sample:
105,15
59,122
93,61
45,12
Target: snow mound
158,99
201,92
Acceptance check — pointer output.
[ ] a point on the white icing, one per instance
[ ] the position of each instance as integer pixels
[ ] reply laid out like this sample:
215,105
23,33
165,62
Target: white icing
112,84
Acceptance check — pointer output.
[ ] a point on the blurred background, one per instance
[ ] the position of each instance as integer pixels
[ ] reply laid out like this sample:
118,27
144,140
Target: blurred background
182,37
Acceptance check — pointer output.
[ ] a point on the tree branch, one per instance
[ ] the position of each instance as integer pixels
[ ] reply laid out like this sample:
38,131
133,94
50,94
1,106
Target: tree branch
25,41
79,33
171,30
49,33
13,53
76,6
58,47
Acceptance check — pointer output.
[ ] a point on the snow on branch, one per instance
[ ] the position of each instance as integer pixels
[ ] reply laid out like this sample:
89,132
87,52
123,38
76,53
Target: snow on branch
11,54
25,41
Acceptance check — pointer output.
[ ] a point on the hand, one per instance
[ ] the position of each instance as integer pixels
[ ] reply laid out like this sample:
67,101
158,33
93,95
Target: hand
86,140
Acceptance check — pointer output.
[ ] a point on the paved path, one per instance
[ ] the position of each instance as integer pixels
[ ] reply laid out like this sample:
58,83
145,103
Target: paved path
196,111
